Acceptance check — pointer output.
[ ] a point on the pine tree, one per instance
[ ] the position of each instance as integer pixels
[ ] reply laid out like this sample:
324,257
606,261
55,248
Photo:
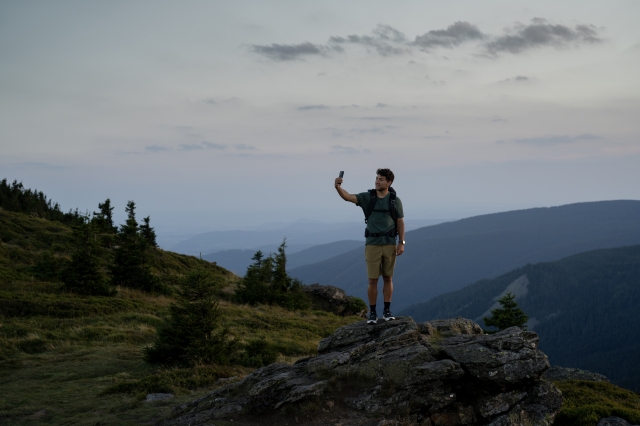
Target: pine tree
103,220
192,335
509,316
130,268
83,274
148,233
267,281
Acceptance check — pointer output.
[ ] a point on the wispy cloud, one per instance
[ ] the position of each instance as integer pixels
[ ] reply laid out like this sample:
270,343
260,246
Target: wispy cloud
453,36
386,40
341,149
311,107
287,52
156,148
555,139
541,33
211,145
243,147
190,147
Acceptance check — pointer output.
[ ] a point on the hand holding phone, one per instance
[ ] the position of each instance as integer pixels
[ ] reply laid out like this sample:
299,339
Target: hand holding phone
339,180
341,174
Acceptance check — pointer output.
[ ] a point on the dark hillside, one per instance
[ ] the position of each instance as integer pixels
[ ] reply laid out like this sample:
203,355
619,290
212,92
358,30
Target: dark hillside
584,307
448,256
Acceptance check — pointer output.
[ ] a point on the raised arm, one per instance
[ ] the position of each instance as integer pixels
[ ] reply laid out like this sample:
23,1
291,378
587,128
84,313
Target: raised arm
344,194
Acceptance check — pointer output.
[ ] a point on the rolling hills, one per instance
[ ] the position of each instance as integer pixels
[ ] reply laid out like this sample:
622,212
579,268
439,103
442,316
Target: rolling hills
584,307
446,257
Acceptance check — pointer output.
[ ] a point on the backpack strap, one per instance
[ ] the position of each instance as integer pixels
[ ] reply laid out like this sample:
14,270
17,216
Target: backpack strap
373,198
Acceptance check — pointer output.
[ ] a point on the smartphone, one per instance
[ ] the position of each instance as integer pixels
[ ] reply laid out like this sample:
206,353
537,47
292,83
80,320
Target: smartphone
341,174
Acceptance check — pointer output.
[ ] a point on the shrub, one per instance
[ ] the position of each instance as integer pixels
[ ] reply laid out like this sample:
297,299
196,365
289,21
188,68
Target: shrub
258,353
192,335
509,316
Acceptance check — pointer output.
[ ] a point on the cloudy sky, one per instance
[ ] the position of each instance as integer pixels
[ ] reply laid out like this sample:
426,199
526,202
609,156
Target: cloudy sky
215,115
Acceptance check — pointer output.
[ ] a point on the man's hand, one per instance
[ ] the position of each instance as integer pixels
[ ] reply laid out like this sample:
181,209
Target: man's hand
399,249
338,182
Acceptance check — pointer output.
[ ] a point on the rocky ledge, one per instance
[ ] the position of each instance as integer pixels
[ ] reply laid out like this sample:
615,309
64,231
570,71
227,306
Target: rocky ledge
444,372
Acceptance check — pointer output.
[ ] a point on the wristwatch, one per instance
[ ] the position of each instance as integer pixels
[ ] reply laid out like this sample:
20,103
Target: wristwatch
402,242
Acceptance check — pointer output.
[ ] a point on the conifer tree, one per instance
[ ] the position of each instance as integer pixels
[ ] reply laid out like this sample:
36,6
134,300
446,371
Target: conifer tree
148,233
267,281
193,335
508,316
103,220
83,274
130,268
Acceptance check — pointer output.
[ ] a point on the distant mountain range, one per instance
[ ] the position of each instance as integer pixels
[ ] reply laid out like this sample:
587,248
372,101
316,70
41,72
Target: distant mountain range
584,307
446,257
237,261
300,235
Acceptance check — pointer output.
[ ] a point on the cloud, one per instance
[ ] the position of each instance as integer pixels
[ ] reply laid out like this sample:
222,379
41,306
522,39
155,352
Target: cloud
310,107
455,34
340,149
387,40
209,101
243,147
287,52
555,139
375,118
372,129
540,33
190,147
517,78
211,145
156,148
381,105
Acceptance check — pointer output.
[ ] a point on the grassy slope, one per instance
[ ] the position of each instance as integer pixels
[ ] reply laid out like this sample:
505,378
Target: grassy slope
65,354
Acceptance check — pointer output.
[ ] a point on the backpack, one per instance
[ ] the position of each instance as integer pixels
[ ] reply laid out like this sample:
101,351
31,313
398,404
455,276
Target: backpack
393,211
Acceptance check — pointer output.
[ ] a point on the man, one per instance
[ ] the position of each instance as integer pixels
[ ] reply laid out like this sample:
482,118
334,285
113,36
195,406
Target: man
380,249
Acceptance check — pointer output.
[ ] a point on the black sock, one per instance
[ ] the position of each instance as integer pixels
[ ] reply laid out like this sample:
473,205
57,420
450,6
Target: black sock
373,308
386,305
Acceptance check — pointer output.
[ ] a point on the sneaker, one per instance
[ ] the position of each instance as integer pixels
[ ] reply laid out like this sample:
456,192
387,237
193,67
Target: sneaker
373,318
386,315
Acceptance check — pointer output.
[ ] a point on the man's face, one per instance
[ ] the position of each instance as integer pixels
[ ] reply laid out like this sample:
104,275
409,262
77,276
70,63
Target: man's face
382,183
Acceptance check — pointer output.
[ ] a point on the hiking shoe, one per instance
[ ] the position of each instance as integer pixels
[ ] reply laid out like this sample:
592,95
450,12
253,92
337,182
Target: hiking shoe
373,318
386,315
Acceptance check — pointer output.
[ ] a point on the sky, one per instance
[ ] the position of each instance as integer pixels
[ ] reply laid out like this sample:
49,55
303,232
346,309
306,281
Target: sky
216,115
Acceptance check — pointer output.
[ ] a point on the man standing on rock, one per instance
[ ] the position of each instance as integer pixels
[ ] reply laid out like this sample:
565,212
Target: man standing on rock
385,221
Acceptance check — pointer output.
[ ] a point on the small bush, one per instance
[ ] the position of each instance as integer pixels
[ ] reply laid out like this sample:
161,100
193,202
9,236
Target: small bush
258,353
32,346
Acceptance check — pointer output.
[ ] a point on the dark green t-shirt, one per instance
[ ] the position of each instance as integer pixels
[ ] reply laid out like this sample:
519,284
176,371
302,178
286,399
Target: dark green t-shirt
379,222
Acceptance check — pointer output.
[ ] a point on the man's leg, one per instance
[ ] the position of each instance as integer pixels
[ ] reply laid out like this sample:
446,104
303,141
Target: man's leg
387,290
372,291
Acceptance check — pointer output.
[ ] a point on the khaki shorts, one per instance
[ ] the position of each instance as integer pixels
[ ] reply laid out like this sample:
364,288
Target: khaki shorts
381,260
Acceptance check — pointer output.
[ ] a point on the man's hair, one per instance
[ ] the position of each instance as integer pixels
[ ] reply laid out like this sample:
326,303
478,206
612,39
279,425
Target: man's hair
387,173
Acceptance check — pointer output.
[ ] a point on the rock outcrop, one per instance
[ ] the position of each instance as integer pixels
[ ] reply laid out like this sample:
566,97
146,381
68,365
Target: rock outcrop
333,299
399,372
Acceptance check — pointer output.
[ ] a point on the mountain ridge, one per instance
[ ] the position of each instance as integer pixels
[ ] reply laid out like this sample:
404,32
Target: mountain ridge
451,255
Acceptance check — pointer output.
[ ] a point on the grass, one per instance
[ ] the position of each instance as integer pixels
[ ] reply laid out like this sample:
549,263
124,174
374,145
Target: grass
585,403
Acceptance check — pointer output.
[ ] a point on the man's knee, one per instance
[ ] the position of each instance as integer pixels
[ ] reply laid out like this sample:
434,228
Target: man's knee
373,281
386,279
